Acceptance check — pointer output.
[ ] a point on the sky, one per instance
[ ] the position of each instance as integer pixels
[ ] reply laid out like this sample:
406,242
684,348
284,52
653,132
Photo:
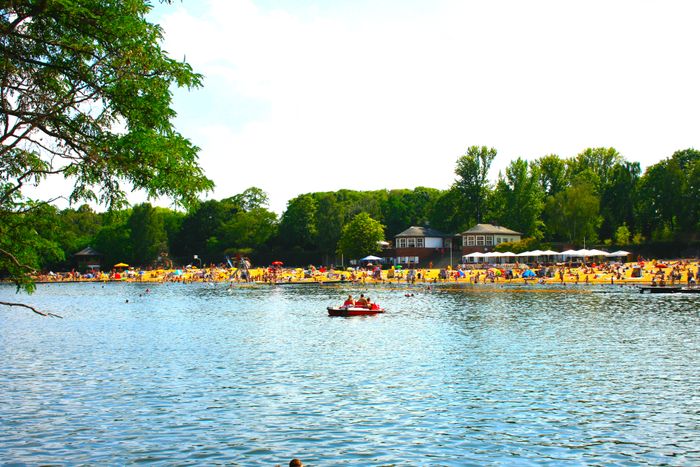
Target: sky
307,96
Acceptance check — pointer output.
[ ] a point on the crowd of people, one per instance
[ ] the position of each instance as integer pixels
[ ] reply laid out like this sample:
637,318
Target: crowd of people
642,272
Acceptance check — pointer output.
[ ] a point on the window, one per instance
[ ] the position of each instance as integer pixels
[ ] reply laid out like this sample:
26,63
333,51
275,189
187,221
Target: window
411,242
420,242
401,243
489,239
470,240
479,240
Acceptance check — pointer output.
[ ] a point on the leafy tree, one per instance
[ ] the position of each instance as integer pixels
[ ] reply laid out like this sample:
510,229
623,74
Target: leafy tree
360,237
661,189
298,223
446,214
575,212
200,229
472,180
521,198
623,235
689,207
599,161
552,174
618,197
331,215
148,235
114,240
24,250
78,228
252,198
85,93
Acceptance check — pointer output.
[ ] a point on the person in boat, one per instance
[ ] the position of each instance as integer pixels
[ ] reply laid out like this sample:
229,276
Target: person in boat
371,305
349,302
362,302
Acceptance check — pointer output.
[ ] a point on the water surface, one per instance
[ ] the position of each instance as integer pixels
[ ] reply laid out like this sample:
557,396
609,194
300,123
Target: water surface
200,374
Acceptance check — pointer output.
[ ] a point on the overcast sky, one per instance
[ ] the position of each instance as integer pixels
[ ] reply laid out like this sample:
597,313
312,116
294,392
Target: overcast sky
304,96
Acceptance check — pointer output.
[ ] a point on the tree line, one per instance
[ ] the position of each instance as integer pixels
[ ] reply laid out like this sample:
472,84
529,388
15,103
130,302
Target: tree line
595,197
86,95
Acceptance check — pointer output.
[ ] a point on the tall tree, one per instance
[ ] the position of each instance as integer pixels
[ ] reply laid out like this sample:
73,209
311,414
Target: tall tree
85,93
599,161
619,197
575,212
661,191
446,214
552,171
521,198
148,236
361,237
472,179
298,223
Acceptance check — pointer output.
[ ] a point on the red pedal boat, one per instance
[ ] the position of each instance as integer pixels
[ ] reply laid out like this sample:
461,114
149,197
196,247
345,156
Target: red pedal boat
352,311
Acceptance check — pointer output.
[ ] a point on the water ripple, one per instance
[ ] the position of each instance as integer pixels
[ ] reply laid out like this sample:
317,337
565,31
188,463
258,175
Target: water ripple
203,374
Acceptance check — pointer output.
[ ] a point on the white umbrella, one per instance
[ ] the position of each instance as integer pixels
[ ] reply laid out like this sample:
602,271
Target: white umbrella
597,253
582,253
550,253
474,255
370,258
569,253
619,253
525,253
504,254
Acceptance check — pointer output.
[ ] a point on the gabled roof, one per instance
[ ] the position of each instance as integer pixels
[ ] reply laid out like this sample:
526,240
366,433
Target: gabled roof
490,229
414,231
88,251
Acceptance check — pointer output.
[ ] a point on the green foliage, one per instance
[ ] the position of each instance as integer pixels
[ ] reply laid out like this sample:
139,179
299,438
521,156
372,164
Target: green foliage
525,244
298,224
360,237
472,180
23,248
518,200
575,212
623,235
216,229
114,242
85,91
148,237
446,214
404,208
598,163
552,174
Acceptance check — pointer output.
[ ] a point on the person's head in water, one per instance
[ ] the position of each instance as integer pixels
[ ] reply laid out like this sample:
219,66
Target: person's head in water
295,463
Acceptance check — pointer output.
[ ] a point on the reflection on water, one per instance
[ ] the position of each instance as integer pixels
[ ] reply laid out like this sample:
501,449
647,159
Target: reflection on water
254,375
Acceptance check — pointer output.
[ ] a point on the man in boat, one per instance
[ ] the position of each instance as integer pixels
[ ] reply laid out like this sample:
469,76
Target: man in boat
362,302
349,302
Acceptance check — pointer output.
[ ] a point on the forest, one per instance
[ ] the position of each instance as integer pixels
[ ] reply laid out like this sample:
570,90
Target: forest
596,197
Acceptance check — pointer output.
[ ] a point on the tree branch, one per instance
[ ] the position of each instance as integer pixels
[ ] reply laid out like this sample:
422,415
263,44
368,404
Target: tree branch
38,312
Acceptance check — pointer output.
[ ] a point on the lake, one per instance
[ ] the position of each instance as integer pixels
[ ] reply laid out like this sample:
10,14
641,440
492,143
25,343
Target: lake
475,375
